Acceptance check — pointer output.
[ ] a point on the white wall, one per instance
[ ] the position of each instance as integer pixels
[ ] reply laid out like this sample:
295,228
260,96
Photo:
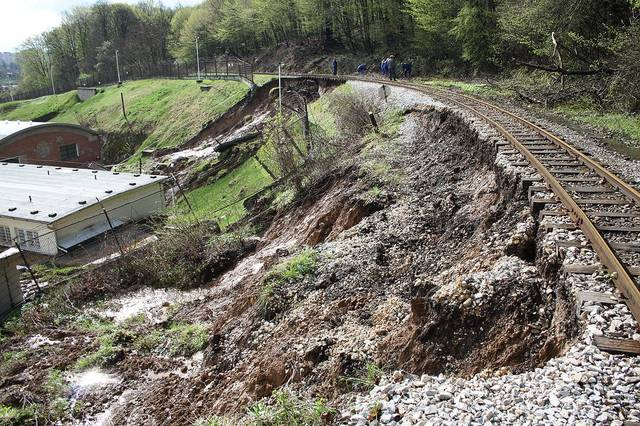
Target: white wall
133,205
46,237
10,291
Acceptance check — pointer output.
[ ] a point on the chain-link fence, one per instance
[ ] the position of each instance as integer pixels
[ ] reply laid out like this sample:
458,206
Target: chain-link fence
220,66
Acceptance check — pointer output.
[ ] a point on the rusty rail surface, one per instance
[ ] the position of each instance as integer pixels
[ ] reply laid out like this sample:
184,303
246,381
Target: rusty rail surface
499,118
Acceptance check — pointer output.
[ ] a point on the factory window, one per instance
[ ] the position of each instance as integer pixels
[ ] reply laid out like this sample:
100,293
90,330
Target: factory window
69,152
28,239
5,235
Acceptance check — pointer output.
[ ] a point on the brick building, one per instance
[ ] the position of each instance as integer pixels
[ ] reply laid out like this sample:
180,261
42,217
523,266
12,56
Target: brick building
52,144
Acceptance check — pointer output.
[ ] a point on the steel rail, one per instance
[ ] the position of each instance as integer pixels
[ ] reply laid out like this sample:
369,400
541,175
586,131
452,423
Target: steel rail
621,276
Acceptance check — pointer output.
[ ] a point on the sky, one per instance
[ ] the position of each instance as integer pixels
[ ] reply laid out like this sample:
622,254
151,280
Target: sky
21,19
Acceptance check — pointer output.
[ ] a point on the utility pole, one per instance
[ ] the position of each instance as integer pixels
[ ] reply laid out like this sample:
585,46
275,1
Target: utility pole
198,57
280,88
53,86
118,68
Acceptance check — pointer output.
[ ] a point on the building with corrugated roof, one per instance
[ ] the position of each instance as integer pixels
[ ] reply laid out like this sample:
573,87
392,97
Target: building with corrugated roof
55,144
47,209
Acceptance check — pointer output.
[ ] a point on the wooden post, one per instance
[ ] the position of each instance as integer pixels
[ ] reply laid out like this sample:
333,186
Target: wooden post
24,259
111,227
374,123
266,169
140,165
124,111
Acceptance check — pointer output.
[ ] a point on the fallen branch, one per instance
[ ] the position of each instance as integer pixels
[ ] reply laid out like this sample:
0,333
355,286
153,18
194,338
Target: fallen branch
563,71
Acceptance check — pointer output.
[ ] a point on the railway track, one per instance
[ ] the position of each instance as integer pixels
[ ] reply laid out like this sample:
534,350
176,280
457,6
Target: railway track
566,182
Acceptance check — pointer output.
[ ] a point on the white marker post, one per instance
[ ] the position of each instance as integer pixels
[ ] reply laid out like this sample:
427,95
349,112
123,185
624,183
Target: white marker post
118,68
198,57
280,88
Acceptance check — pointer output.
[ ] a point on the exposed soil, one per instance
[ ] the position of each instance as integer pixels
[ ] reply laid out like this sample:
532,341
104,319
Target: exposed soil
436,273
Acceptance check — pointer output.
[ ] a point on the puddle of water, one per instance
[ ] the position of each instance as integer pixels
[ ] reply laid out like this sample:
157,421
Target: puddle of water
154,303
89,381
92,378
38,340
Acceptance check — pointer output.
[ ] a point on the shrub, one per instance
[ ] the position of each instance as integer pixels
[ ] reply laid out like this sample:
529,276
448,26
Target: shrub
366,379
288,410
186,339
271,298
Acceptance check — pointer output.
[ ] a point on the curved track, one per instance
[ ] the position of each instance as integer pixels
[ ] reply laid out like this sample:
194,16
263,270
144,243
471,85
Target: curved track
601,204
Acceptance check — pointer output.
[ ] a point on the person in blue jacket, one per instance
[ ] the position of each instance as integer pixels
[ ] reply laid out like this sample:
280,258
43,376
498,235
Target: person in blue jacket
362,68
383,67
334,66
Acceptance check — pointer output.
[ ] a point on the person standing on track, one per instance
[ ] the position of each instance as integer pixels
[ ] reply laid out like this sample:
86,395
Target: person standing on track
391,65
334,66
407,68
383,67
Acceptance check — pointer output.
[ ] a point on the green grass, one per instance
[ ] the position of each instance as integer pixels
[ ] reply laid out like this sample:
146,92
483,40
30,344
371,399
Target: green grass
104,355
162,113
322,114
621,125
366,378
295,269
288,410
466,87
36,109
186,339
18,416
212,202
169,112
262,79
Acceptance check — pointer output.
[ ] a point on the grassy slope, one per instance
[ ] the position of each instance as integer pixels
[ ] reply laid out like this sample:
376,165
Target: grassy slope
210,201
35,109
626,126
207,201
170,112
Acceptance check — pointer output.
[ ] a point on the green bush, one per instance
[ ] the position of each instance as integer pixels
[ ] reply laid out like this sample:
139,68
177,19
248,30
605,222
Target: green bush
288,410
186,339
270,299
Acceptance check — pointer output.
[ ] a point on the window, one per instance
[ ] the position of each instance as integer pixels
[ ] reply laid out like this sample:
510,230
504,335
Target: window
28,239
69,152
5,235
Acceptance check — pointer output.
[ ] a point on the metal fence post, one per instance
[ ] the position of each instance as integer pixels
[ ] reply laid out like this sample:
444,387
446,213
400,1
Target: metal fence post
185,198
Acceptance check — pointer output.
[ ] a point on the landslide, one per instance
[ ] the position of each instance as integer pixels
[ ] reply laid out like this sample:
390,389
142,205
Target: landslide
432,272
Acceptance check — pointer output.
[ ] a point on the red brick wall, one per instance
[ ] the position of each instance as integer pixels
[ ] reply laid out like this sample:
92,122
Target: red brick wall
42,146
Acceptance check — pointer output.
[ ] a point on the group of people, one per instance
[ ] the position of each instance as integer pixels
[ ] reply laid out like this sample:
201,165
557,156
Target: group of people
388,68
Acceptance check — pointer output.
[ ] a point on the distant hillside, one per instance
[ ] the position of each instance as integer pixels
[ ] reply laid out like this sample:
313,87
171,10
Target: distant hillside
8,58
160,113
9,69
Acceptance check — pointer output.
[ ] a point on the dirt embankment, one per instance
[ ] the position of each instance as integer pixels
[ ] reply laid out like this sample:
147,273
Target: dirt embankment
424,259
430,283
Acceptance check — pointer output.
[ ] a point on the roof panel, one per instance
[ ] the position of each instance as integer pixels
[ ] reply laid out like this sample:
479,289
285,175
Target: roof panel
46,194
8,128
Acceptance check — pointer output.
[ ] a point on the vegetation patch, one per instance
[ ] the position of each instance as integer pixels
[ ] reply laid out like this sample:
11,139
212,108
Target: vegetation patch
272,298
40,109
286,409
365,379
222,200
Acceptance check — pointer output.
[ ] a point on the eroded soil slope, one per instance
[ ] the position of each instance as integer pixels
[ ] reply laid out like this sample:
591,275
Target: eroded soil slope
429,280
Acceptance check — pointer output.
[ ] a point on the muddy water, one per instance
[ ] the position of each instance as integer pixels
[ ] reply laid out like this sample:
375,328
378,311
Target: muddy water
154,303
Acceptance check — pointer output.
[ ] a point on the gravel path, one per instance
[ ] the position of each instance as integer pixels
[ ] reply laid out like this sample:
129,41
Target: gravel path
583,386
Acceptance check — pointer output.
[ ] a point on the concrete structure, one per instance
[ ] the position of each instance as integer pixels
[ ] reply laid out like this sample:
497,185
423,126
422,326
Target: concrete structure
54,144
10,292
46,209
85,93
